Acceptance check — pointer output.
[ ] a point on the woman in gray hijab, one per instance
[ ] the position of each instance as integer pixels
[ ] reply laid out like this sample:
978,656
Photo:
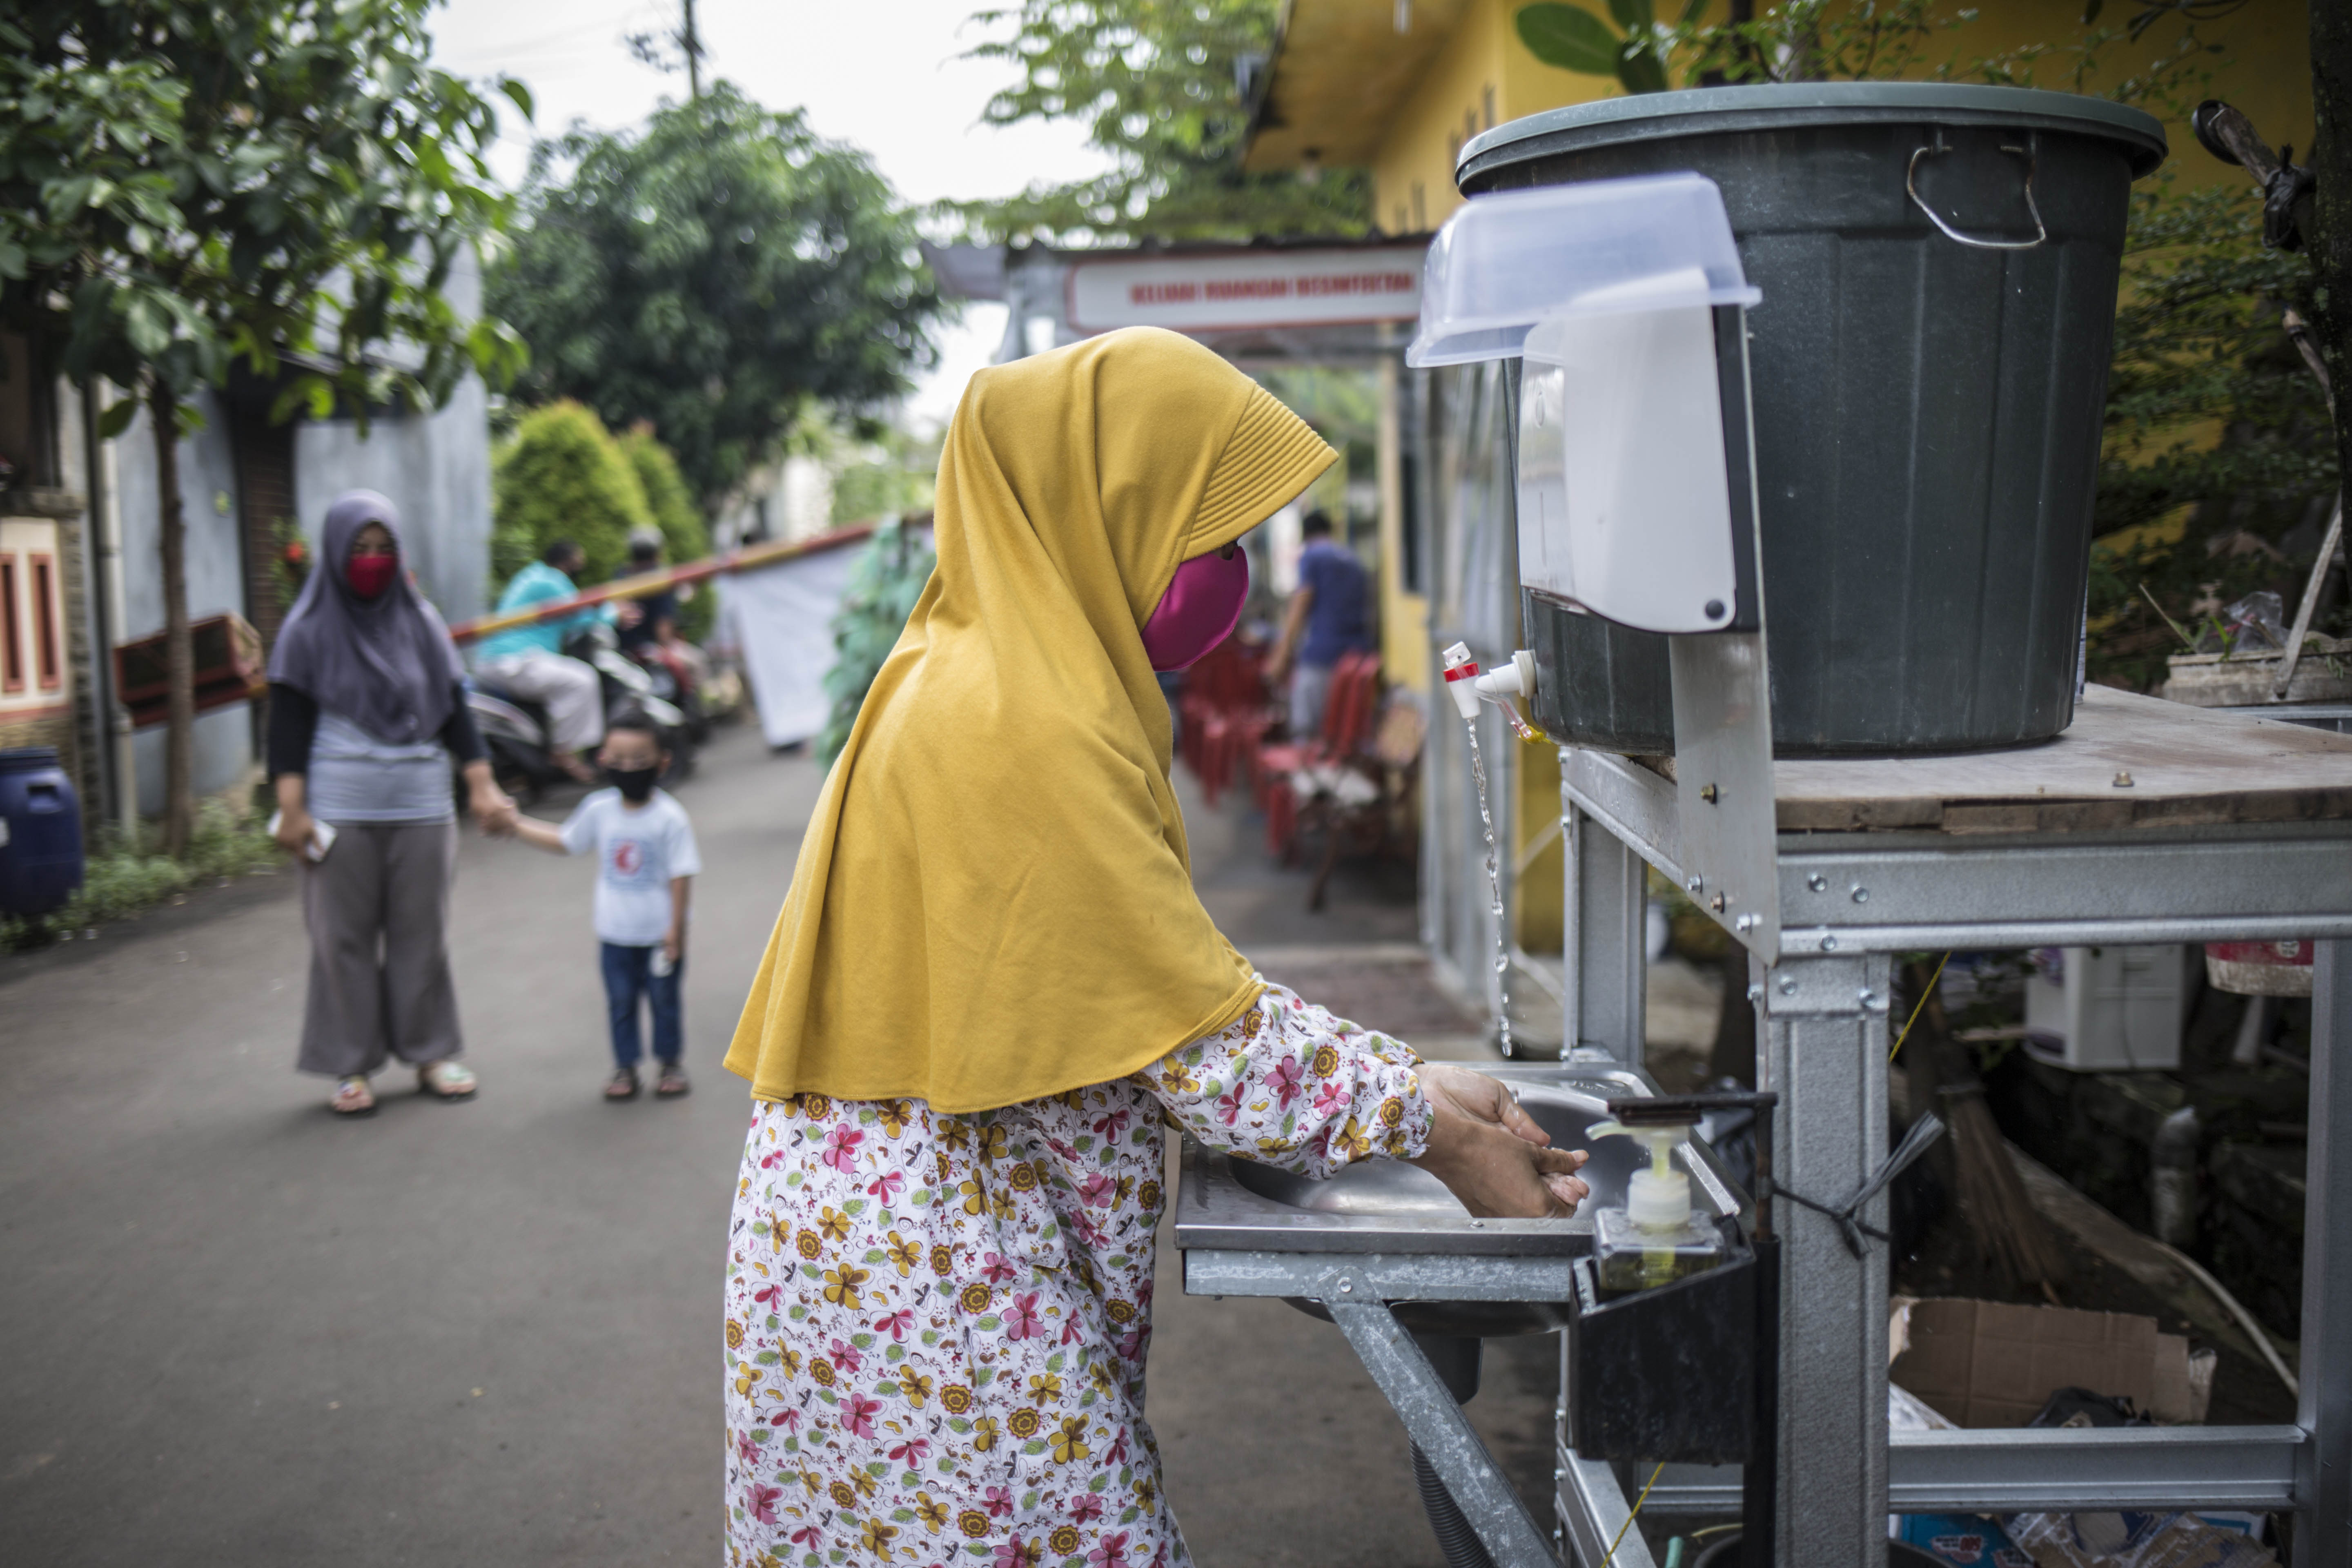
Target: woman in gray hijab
366,714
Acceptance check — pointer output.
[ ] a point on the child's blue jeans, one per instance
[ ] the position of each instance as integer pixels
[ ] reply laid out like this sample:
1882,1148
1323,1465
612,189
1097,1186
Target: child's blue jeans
628,975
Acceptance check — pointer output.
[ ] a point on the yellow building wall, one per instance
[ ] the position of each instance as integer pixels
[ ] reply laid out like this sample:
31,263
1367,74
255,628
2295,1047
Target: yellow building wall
1404,618
1485,76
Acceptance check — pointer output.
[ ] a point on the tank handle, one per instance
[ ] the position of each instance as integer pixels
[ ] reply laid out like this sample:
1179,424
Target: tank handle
1911,189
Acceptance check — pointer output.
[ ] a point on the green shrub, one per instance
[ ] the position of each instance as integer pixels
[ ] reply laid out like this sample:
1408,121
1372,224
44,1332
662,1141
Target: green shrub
563,476
685,536
126,874
883,587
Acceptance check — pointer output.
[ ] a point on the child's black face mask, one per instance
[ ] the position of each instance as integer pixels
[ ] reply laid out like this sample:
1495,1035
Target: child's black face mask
635,784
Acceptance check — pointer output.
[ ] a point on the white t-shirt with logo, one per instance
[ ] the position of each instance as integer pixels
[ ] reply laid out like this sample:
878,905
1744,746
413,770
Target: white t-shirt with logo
637,852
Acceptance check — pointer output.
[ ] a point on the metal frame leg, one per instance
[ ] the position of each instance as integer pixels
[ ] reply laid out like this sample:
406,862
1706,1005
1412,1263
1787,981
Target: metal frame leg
1435,1422
1825,1055
1604,970
1602,1515
2323,1534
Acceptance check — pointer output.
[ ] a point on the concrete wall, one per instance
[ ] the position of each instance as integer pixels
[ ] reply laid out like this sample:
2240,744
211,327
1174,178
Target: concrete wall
224,751
436,469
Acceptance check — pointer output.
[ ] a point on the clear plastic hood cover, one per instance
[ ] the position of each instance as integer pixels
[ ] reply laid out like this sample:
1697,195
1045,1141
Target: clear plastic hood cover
1505,262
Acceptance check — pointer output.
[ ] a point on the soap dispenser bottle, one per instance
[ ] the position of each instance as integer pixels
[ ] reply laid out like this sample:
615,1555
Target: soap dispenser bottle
1659,1236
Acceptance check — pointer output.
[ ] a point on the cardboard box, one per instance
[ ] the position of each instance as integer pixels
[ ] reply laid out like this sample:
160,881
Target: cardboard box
1993,1364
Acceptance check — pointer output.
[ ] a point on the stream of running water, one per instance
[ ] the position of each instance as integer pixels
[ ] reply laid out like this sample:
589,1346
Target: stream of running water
1495,895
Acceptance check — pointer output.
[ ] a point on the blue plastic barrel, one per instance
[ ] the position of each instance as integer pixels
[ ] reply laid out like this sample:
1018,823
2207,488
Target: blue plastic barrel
40,833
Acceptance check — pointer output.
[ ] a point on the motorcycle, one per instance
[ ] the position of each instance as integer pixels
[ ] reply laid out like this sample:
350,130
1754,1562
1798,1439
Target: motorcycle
673,681
515,729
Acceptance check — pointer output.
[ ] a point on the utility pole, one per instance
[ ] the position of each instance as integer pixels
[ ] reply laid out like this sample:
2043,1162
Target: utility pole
691,43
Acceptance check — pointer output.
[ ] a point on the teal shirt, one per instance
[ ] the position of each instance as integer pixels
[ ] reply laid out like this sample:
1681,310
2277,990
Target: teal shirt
534,585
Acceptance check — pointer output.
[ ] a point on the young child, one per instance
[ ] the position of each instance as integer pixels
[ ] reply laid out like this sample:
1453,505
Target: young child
646,864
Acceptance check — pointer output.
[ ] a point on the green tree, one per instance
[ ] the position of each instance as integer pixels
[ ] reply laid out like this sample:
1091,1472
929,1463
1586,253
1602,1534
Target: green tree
883,587
2330,240
893,472
2190,520
686,536
714,273
1845,41
1159,84
562,475
283,183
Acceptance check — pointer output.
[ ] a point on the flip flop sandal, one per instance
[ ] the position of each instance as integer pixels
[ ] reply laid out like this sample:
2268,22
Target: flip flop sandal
671,1084
352,1098
622,1085
446,1080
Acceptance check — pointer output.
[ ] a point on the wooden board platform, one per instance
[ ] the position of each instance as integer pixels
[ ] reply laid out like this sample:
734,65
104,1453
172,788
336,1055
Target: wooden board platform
2184,767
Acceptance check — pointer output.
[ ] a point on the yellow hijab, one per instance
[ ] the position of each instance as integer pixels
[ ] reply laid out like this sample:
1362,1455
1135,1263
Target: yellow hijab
994,902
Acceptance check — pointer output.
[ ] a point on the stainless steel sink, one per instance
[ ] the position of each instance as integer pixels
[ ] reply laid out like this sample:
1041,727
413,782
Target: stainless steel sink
1396,1210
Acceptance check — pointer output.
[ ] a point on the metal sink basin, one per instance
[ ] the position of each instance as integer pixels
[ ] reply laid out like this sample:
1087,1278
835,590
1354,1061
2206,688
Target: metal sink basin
1394,1209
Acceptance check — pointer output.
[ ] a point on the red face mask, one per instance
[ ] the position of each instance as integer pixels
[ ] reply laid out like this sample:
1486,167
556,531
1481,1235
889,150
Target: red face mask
370,575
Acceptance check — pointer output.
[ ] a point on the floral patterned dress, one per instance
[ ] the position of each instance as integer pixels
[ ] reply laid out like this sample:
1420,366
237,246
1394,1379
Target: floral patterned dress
936,1325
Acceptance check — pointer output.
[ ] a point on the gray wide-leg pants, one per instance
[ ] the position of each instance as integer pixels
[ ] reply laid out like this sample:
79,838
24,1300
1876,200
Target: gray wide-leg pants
378,910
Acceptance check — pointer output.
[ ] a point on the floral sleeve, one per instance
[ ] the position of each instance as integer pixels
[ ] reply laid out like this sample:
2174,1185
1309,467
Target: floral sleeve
1287,1084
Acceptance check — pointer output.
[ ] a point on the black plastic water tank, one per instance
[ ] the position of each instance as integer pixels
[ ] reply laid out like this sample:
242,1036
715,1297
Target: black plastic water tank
1939,264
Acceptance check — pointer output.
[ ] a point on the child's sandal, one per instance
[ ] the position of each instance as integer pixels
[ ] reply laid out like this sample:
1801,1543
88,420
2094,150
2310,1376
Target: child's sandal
622,1085
352,1098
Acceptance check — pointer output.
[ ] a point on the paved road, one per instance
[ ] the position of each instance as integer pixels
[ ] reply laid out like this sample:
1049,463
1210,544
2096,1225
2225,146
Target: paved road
239,1331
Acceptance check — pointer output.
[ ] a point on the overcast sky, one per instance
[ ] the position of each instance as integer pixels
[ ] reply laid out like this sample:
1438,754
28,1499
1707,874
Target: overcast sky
881,74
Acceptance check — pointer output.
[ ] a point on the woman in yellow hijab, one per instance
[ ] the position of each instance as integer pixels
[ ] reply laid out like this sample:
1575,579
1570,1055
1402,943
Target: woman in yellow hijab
992,988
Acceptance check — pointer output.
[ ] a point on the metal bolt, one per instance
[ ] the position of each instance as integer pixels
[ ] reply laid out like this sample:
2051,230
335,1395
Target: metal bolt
1715,609
1829,944
1346,1286
1707,793
1478,1225
1867,997
1755,994
2123,781
1789,985
1745,922
1716,903
1861,894
1693,884
1817,883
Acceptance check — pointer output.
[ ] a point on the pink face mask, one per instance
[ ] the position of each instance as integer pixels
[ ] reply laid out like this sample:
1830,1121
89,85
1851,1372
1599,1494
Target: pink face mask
1200,610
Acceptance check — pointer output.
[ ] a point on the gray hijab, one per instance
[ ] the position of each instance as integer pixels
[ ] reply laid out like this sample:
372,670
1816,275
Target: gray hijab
386,664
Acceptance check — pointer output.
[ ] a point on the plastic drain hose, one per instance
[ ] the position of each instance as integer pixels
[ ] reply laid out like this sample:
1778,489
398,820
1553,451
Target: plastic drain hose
1455,1537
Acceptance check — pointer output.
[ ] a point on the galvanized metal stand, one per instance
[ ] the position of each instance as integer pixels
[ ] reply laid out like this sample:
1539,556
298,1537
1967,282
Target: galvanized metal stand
1358,1290
1844,902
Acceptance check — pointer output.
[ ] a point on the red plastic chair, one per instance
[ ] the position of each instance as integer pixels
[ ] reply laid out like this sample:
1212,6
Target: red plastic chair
1347,719
1224,713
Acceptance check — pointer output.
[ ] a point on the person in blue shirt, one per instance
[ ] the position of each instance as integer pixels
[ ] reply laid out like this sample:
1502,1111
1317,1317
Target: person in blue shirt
1327,619
529,660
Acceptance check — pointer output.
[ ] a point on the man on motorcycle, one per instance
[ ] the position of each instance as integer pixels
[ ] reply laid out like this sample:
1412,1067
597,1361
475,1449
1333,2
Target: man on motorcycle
648,627
529,662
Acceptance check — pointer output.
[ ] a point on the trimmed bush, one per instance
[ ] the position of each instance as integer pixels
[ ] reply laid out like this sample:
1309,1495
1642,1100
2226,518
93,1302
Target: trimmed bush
685,536
128,873
563,476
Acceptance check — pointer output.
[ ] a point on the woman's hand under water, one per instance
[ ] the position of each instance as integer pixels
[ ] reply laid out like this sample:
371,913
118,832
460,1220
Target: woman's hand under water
1491,1155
